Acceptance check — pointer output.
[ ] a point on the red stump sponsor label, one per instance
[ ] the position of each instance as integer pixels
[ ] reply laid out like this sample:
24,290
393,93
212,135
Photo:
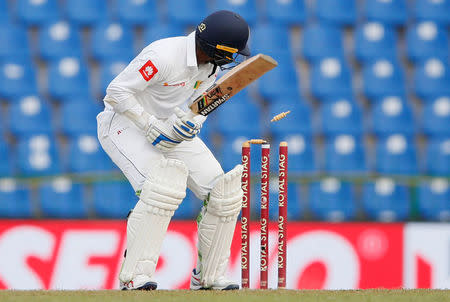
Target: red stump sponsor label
245,217
282,214
264,220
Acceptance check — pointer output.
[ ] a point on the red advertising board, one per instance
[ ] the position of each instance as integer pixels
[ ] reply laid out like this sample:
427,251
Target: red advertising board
88,254
427,255
333,256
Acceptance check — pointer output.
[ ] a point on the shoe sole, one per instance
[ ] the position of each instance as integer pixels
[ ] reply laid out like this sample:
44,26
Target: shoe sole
229,287
147,286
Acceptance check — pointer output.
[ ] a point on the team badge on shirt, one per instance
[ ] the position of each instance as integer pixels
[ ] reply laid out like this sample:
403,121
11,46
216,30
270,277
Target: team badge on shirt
148,70
197,84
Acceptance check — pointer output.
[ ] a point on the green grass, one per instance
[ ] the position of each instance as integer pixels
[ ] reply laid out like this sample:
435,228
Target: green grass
377,295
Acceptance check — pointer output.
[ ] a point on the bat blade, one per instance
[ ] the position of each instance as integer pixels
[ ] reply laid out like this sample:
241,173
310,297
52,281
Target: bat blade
232,82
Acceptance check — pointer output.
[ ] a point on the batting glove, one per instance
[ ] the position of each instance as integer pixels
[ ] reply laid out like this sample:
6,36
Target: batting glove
161,134
185,126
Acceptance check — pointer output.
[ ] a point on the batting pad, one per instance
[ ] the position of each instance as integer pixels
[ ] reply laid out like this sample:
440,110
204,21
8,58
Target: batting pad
216,226
162,193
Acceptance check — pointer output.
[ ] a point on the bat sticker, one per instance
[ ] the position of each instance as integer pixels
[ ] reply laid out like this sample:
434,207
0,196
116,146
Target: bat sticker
213,99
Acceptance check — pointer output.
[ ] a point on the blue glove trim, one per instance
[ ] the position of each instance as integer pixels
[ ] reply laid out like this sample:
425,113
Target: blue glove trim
186,128
182,134
162,137
192,125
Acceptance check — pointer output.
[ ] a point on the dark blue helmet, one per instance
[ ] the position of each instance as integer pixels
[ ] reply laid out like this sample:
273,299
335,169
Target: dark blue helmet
222,35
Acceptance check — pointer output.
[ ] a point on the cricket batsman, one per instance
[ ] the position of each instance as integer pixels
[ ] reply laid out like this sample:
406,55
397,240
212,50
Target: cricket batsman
151,135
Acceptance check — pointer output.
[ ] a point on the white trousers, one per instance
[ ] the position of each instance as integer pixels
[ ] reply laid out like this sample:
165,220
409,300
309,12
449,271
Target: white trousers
130,150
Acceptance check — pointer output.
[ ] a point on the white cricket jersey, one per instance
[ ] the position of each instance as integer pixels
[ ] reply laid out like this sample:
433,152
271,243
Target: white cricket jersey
163,76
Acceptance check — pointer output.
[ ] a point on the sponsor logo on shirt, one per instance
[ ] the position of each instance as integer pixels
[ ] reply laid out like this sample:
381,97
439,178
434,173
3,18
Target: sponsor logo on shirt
148,70
121,130
176,84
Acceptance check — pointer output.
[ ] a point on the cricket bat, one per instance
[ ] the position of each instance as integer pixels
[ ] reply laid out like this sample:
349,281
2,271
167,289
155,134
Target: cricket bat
232,82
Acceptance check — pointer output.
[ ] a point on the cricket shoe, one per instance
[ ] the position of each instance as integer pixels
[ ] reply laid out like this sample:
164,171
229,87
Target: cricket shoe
140,282
220,284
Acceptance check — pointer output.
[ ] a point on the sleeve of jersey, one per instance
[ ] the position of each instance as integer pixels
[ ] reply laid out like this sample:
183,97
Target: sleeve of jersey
145,70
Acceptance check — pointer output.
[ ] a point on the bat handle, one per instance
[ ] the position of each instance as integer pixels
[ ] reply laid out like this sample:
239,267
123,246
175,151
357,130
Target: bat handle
191,114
